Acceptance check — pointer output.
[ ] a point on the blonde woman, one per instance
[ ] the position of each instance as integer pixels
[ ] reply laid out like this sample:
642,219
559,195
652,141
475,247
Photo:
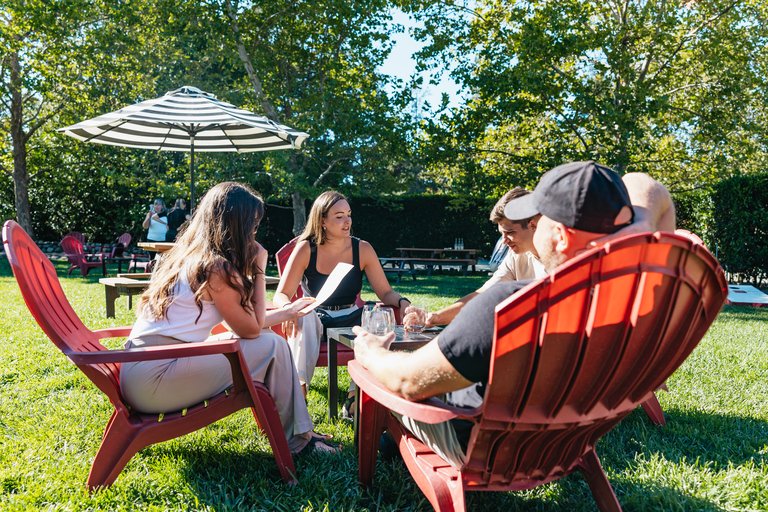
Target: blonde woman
216,273
326,241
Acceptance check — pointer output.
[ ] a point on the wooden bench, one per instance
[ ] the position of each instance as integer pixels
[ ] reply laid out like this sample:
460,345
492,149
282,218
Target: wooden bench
117,286
135,284
400,272
398,267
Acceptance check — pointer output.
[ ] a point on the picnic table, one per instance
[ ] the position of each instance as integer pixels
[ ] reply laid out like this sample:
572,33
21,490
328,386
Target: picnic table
430,258
156,246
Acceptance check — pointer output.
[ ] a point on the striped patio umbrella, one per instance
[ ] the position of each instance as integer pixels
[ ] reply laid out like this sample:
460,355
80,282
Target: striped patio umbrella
187,119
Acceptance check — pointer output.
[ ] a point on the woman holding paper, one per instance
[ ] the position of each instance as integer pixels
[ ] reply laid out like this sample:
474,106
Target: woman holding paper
327,241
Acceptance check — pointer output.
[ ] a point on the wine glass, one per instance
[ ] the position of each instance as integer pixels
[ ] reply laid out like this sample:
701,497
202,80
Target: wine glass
415,318
380,321
365,322
389,320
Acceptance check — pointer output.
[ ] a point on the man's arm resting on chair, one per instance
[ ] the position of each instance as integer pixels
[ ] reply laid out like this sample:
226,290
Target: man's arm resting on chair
651,201
413,375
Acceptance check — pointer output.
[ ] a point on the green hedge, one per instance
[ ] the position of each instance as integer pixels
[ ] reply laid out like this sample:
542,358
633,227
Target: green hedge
401,221
731,219
740,210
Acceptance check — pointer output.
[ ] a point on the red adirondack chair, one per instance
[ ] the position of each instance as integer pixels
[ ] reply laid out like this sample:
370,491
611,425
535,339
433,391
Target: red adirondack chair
117,250
345,354
129,431
116,253
78,235
142,262
652,407
73,250
574,353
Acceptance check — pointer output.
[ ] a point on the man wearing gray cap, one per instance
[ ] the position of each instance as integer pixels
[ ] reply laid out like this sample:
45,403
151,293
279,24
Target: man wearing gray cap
582,204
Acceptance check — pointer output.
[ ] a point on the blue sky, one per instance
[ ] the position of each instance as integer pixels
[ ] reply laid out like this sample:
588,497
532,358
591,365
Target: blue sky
401,64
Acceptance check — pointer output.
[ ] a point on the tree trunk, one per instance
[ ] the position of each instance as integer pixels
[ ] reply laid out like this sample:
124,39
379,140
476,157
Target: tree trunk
297,201
299,213
20,173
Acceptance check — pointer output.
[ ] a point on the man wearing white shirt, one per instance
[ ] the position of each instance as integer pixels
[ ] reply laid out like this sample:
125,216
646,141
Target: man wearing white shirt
522,262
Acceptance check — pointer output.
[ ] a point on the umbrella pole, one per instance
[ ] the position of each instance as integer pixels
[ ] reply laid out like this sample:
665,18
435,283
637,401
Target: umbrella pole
192,173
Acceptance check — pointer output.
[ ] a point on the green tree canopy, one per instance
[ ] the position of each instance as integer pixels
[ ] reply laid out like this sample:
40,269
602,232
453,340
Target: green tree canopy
676,89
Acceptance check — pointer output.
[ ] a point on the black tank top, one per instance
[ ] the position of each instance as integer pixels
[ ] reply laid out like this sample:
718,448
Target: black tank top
349,287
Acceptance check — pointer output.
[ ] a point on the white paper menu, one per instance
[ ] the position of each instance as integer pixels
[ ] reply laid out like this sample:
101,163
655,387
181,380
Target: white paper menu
333,281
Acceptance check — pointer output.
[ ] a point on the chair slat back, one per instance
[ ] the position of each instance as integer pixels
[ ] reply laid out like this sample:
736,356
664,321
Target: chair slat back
576,352
42,292
72,247
77,235
281,258
124,239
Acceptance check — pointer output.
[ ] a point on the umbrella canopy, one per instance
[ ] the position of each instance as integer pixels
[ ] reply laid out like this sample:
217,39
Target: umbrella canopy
187,119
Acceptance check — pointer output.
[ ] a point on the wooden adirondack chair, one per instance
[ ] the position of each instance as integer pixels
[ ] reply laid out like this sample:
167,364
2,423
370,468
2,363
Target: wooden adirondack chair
73,250
345,354
129,431
652,407
574,353
116,253
78,235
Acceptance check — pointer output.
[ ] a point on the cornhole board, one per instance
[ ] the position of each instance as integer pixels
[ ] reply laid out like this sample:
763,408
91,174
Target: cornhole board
745,295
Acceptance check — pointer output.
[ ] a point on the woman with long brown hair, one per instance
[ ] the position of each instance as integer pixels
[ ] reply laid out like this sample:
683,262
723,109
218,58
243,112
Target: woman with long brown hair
215,273
326,241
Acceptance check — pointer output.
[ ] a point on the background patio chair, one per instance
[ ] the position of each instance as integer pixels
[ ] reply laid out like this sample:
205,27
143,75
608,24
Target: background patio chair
129,431
140,263
78,235
116,253
574,353
73,250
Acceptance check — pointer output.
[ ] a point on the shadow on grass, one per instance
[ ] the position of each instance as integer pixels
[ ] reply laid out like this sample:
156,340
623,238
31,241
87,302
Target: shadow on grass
225,481
235,480
690,437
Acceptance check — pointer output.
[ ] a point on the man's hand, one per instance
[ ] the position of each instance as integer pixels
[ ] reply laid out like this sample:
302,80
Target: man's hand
367,345
652,204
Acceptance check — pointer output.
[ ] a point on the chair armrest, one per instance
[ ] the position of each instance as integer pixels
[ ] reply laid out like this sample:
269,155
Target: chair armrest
113,332
429,411
156,352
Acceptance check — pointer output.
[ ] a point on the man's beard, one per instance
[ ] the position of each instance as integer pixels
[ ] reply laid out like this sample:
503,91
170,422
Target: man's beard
552,259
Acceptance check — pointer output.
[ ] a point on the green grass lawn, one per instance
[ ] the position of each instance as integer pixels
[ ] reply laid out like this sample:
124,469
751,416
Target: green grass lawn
710,456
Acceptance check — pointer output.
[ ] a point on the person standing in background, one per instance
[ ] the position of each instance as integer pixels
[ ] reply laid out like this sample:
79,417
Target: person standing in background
156,221
177,216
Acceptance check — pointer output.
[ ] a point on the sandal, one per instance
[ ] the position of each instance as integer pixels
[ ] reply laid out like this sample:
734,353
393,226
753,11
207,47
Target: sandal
312,446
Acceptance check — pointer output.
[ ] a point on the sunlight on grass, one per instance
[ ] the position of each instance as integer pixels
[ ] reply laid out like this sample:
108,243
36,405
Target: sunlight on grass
710,456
